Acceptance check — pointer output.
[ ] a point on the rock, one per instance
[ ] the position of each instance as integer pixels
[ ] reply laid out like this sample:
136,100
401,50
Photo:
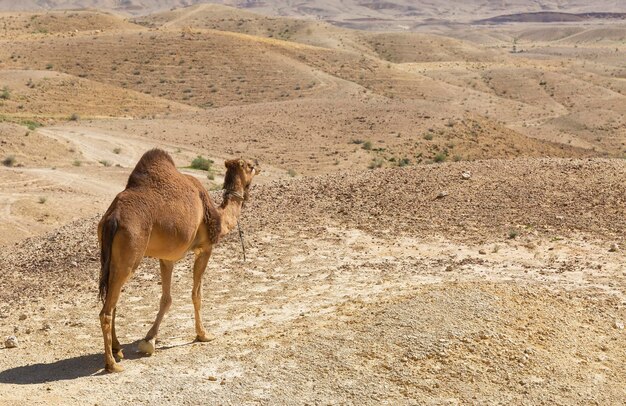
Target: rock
212,378
466,175
482,252
442,194
614,247
11,342
23,317
619,324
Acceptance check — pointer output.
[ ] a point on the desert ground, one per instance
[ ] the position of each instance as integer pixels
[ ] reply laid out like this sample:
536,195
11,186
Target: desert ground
439,219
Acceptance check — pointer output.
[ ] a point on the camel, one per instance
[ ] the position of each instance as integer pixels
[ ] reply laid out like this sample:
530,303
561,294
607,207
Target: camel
163,213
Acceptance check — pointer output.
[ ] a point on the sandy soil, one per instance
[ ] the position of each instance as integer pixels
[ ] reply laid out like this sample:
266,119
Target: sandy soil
360,309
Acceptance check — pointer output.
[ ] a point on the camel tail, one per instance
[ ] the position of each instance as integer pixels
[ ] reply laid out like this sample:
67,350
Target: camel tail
108,232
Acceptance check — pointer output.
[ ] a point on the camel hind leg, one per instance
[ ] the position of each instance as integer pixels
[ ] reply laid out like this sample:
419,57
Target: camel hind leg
116,346
147,345
125,258
116,281
199,266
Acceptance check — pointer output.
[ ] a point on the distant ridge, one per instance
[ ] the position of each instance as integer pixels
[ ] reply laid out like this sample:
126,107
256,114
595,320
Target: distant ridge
550,17
365,14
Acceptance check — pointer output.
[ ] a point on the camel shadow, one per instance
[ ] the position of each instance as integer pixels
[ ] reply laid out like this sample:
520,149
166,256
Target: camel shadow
65,369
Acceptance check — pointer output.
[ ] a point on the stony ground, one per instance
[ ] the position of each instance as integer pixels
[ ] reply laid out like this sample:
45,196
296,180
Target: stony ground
352,294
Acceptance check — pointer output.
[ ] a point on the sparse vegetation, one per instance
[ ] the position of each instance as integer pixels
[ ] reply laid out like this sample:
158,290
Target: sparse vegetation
428,137
42,200
32,125
292,173
76,162
367,145
106,163
376,162
513,233
201,163
9,161
117,150
5,94
440,157
74,117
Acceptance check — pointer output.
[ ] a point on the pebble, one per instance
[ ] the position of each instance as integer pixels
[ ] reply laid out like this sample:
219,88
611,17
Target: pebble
466,175
11,342
619,324
614,247
23,317
442,194
482,252
212,378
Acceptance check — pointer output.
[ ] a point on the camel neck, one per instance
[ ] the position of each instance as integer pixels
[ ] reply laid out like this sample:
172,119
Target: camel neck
229,211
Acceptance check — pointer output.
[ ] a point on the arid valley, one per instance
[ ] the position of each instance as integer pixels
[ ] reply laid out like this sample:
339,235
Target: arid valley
440,217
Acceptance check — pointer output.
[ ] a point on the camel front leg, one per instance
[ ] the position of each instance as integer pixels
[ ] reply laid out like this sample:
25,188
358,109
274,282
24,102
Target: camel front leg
202,258
147,345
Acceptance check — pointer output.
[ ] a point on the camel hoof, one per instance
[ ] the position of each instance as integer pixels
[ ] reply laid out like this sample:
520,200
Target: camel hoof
118,353
204,338
146,346
114,368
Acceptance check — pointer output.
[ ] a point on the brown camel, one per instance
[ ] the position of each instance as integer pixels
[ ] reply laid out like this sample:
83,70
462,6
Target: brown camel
163,214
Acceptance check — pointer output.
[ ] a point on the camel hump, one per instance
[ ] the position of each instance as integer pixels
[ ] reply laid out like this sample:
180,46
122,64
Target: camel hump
154,166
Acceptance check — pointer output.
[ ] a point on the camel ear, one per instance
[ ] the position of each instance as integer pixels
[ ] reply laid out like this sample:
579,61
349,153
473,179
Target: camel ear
230,164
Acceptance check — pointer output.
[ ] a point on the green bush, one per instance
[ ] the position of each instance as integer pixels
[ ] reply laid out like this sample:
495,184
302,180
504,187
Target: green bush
440,157
403,162
201,163
32,125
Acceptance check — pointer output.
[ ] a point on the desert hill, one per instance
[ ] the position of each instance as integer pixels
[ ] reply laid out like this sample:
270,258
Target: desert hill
178,57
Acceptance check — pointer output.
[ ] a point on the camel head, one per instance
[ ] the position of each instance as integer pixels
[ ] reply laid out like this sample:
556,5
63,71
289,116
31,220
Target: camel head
239,174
